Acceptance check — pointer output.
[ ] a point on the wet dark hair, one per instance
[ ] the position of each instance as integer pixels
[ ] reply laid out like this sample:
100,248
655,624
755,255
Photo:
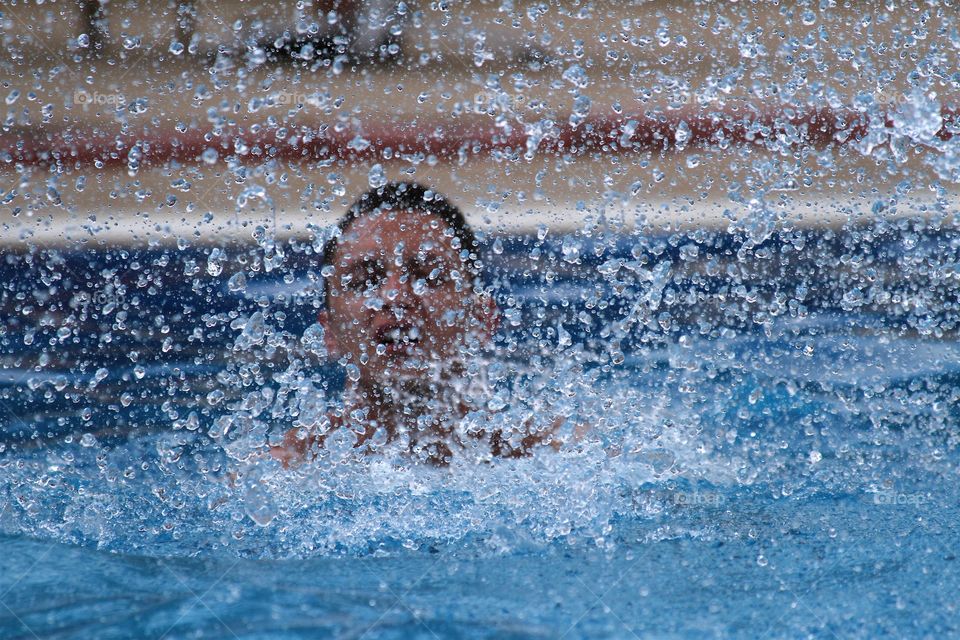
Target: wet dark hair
407,196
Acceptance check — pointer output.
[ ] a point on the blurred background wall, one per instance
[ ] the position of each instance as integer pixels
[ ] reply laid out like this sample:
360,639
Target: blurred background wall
149,120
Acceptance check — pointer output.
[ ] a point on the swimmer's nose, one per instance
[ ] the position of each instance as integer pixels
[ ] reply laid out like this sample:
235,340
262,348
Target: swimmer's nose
398,288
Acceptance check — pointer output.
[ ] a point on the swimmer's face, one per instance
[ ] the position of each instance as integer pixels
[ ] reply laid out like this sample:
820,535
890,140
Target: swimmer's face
401,302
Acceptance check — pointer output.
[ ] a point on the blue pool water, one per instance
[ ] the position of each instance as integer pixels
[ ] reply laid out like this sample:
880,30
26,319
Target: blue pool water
773,453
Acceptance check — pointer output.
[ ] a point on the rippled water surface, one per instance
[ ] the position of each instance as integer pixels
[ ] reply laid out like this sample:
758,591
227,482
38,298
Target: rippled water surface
789,475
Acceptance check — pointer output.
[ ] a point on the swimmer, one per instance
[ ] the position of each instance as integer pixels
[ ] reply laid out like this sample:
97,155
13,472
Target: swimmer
405,312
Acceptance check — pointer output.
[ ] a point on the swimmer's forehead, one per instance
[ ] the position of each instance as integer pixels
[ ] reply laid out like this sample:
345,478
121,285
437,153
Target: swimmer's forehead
397,232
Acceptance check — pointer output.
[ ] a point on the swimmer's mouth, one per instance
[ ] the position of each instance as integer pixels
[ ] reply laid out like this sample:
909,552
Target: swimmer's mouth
398,337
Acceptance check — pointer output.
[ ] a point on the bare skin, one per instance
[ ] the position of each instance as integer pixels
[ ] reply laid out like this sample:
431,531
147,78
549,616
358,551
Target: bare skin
402,311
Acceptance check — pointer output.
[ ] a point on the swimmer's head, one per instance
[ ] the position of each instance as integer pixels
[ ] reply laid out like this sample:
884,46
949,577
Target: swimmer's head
406,196
404,302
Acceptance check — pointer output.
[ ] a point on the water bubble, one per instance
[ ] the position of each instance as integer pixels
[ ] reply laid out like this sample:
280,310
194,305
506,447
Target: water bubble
176,48
627,132
237,282
481,54
376,176
53,196
215,262
259,505
581,109
682,135
253,333
133,160
575,75
919,118
571,248
209,156
375,302
353,372
256,56
253,192
88,440
513,316
100,374
750,47
358,143
564,339
314,341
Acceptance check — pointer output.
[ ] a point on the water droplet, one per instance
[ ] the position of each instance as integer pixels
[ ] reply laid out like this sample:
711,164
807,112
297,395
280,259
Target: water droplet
358,143
314,341
237,282
563,337
576,76
353,372
580,111
682,135
215,262
259,506
571,249
377,177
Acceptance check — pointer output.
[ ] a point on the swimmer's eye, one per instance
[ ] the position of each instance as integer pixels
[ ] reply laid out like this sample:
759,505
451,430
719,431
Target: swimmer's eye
366,275
357,285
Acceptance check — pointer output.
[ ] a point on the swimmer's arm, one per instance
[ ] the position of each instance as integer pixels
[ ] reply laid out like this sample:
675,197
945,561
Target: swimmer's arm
295,449
500,447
